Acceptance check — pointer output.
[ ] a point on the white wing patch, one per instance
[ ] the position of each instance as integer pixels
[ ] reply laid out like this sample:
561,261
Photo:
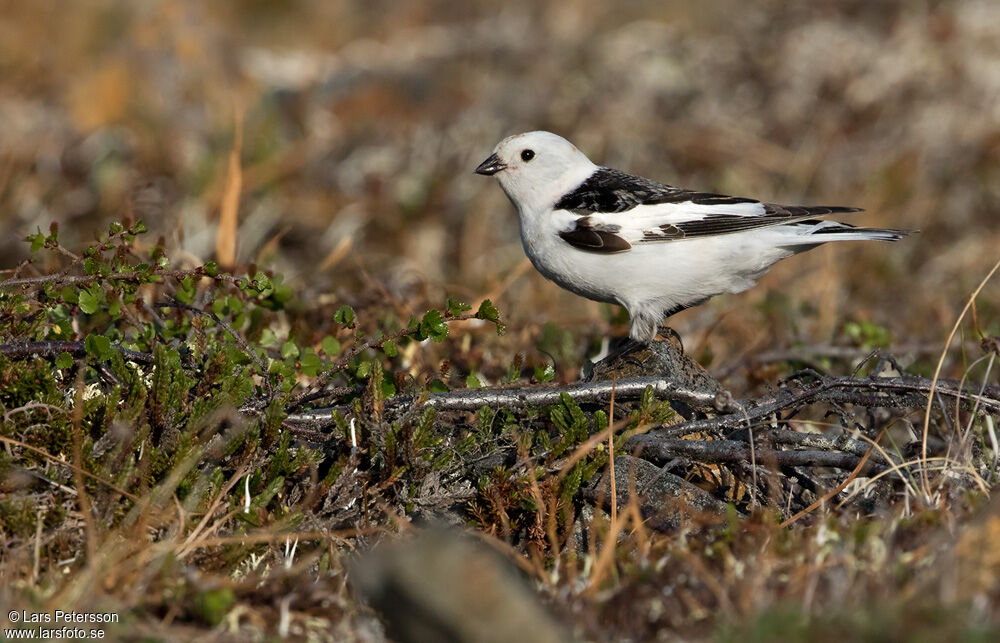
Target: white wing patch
645,221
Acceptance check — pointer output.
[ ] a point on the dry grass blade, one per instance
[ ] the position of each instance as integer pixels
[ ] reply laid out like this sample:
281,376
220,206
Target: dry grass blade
225,240
934,463
940,365
81,488
192,539
606,558
76,469
512,554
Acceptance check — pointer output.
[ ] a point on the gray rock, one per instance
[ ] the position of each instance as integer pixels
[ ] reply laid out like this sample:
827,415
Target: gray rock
667,502
664,357
443,586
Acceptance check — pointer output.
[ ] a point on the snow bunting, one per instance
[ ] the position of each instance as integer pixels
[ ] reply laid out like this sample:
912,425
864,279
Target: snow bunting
653,248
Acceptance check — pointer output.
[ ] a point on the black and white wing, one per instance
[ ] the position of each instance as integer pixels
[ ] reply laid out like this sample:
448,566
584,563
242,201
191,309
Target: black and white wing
613,210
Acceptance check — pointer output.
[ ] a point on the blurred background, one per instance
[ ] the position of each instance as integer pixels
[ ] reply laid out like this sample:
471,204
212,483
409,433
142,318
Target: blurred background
356,126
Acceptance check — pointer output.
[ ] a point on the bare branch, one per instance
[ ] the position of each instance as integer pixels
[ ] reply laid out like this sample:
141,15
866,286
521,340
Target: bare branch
518,398
883,392
68,280
663,450
25,350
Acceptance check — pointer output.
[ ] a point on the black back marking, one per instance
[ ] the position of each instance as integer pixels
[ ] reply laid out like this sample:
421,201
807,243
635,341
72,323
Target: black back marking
608,190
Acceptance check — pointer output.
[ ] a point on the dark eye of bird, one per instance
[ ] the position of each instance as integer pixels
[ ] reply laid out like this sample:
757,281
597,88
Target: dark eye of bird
527,155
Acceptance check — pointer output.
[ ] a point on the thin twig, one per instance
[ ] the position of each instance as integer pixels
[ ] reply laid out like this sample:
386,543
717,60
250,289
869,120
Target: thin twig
25,350
663,450
117,276
611,456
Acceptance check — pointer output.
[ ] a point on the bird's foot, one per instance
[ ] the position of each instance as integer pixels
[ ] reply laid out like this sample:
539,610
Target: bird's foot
625,349
669,334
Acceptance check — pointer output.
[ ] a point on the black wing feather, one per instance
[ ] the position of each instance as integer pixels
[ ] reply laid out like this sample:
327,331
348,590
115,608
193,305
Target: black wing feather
608,191
586,236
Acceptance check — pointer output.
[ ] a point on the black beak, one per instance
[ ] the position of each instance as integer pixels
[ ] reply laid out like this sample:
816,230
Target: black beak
491,166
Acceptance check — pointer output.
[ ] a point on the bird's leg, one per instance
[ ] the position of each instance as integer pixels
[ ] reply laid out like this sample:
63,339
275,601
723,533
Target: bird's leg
626,348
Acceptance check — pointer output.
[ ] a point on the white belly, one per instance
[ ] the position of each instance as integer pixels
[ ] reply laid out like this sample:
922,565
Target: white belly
675,273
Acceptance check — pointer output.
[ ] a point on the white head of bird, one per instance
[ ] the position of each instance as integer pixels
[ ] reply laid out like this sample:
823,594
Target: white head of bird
535,169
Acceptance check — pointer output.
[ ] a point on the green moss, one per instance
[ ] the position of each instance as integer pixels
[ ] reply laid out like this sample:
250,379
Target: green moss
212,605
19,516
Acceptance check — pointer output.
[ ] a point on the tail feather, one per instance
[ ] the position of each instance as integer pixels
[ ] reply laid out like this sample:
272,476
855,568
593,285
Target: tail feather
861,234
816,234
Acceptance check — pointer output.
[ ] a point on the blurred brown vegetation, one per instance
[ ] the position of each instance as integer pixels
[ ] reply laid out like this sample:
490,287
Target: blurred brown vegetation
334,142
362,121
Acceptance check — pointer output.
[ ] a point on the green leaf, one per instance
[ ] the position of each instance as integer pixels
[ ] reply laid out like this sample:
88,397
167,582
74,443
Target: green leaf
186,292
69,294
647,400
65,360
456,308
235,305
282,294
330,346
90,301
364,367
389,348
98,346
267,336
344,315
289,349
37,241
544,373
437,386
471,381
211,269
432,325
310,362
488,311
139,227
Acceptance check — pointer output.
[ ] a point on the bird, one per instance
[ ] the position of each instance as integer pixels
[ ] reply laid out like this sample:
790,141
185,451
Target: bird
653,248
